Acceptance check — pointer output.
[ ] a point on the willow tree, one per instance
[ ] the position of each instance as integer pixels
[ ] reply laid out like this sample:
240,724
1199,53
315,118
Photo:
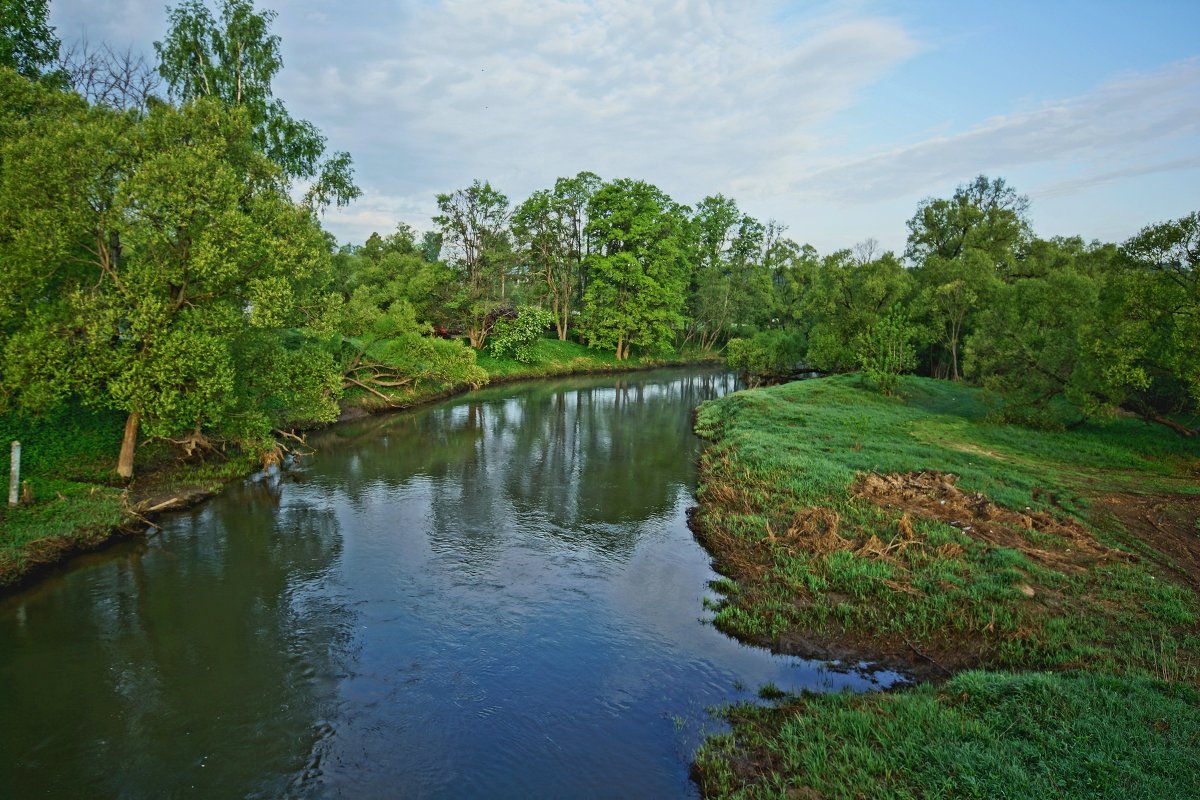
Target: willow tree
157,266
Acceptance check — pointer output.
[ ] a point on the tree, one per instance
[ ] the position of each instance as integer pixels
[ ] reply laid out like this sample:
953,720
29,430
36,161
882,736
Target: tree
730,287
792,270
383,349
637,270
885,350
985,214
961,248
473,223
234,57
550,228
27,42
847,298
1030,346
1144,344
130,294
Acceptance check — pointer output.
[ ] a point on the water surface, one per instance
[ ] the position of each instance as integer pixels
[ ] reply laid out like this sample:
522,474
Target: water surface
495,596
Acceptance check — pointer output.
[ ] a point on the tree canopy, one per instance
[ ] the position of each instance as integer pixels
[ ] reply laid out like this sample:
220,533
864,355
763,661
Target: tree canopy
232,56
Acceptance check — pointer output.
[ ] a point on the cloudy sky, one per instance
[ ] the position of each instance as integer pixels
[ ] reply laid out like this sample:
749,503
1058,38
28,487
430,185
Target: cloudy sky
834,118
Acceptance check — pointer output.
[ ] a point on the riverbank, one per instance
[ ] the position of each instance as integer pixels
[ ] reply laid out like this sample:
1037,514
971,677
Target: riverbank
911,531
79,506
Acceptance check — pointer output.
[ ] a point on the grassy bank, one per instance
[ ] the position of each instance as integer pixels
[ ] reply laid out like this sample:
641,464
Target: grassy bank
78,504
911,531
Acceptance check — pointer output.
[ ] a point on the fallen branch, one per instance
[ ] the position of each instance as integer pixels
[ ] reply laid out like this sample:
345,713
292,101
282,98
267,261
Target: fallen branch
927,657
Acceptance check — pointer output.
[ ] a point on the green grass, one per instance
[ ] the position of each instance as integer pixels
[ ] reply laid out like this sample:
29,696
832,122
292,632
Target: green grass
67,461
778,479
809,560
980,735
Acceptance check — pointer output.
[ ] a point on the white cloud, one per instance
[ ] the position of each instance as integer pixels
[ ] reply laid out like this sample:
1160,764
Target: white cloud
757,99
690,94
1133,117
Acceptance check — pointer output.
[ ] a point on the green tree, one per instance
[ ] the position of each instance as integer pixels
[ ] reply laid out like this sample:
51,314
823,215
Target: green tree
730,285
637,271
383,349
986,214
27,42
793,270
395,268
847,297
962,247
233,57
885,349
550,227
1144,344
473,224
132,295
1030,343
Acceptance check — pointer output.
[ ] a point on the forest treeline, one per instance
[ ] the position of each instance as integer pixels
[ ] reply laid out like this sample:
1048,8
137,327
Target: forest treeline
162,257
1061,329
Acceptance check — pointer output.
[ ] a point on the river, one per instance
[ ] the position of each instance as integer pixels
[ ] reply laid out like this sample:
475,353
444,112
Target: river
494,596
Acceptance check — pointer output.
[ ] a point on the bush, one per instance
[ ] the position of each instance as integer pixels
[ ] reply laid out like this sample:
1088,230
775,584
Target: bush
767,357
515,337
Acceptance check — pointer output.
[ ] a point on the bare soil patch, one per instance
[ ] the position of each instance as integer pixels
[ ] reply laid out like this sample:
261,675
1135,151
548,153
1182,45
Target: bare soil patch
1068,546
1169,525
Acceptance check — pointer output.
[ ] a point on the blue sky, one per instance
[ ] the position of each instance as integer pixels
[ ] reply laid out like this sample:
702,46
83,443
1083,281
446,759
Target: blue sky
833,118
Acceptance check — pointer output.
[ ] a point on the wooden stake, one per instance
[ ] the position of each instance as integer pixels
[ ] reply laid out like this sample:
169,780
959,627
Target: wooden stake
14,476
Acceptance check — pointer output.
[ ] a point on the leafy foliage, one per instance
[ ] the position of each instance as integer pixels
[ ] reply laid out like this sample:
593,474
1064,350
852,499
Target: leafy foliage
766,357
473,224
144,298
885,350
27,42
233,57
551,228
515,337
637,269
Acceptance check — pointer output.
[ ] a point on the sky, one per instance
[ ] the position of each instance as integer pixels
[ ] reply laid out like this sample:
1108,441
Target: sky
833,118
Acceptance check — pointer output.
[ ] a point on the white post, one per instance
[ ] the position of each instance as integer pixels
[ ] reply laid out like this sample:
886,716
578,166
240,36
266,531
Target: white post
14,475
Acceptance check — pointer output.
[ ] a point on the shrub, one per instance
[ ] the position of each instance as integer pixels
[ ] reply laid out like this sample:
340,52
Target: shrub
767,357
515,337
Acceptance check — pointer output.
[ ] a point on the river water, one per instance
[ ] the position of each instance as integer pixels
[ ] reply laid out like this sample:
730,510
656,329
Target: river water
496,596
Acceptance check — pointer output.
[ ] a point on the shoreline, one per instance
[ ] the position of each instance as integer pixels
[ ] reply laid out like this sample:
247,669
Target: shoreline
178,488
988,562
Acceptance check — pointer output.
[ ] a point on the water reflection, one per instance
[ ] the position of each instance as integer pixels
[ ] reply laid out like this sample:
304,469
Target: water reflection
162,668
494,596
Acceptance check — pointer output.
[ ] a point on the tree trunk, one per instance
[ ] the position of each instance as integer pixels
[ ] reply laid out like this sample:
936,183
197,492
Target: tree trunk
1182,430
128,446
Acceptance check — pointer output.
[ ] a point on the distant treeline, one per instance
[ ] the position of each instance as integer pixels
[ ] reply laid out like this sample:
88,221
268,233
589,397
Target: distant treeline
1061,329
